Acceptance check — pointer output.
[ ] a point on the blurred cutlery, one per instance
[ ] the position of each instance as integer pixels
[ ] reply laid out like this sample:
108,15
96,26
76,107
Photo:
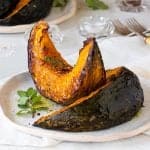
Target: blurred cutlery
122,29
135,26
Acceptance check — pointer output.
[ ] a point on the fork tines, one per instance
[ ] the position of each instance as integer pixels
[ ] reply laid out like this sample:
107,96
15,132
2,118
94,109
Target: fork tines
134,25
121,28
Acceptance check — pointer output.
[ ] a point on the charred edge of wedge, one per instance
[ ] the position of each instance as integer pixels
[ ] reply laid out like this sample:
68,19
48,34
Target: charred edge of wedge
44,29
20,5
87,66
93,51
112,104
6,6
31,40
33,11
93,60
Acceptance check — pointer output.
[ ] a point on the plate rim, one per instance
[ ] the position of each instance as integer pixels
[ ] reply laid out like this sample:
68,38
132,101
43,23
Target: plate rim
24,27
66,136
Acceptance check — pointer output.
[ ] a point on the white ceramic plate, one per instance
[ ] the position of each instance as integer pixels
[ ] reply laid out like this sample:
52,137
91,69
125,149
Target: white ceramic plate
8,100
56,16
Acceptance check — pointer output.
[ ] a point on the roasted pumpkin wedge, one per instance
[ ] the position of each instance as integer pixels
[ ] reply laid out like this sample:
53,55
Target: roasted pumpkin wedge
6,6
27,11
111,104
54,77
21,4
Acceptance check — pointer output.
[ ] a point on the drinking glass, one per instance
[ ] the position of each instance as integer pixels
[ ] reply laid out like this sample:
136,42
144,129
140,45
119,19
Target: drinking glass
131,5
96,26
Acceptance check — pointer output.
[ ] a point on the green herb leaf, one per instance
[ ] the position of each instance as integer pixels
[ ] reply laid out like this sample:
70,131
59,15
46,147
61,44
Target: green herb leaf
21,93
59,3
31,92
44,103
36,99
23,101
23,106
24,111
30,101
96,4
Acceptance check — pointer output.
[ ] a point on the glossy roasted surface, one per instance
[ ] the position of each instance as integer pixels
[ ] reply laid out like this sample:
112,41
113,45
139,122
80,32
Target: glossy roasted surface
113,103
54,77
27,11
6,6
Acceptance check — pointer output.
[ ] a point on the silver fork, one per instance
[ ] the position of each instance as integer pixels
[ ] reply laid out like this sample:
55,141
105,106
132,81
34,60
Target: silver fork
121,28
135,26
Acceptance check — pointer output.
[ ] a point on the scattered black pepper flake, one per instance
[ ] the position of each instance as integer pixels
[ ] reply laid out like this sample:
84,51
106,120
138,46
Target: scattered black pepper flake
38,114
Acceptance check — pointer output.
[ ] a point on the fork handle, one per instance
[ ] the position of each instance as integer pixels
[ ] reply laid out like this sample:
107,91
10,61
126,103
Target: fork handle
147,40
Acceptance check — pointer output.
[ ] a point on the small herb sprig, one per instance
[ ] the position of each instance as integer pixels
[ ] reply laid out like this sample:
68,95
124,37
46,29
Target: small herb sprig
30,101
94,4
60,3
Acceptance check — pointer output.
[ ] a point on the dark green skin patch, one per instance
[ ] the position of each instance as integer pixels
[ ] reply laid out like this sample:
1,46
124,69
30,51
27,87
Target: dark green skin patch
34,11
116,103
6,7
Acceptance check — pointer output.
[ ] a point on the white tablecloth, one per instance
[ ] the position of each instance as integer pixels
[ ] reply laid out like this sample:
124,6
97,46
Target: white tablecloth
130,52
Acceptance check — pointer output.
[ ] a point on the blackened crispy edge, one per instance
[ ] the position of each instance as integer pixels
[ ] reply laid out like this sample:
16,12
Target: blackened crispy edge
115,103
34,11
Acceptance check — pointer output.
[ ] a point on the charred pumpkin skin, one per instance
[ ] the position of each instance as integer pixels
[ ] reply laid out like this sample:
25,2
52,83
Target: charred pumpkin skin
32,11
6,6
54,77
112,104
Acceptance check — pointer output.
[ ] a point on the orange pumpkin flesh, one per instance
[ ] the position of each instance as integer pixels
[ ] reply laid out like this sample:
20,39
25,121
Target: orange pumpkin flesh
19,6
54,77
